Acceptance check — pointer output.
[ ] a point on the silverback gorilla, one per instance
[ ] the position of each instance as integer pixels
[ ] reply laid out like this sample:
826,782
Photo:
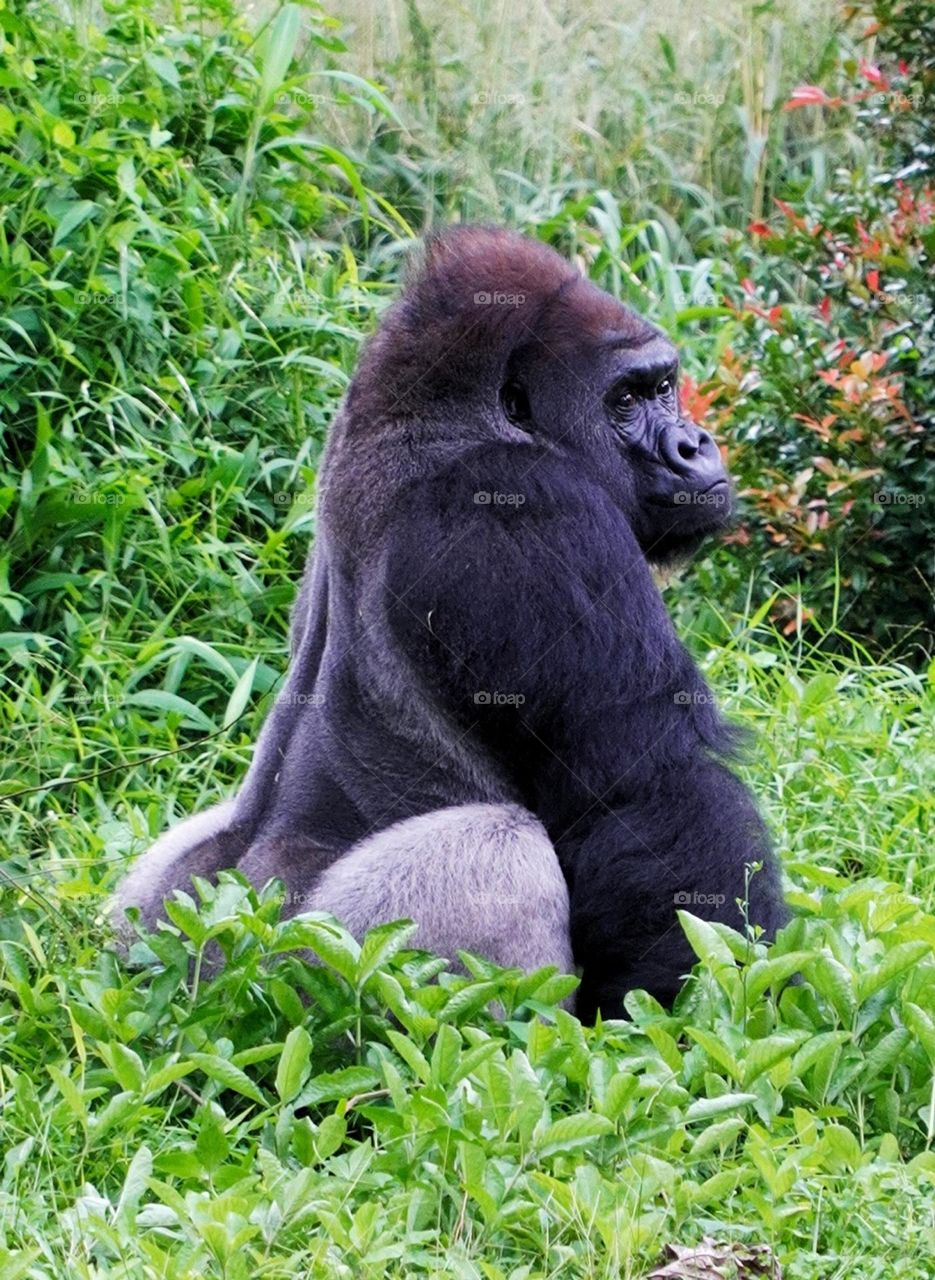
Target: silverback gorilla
489,725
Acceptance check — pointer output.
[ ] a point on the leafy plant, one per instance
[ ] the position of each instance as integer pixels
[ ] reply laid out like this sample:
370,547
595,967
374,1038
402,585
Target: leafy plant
176,324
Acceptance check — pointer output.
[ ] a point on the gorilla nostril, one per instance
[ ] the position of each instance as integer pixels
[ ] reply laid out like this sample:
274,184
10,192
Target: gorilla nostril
686,450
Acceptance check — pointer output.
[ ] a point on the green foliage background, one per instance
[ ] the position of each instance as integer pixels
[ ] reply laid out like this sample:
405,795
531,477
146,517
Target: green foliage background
201,216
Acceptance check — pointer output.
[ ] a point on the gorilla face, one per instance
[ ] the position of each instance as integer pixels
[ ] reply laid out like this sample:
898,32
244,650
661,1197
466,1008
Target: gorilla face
606,389
679,490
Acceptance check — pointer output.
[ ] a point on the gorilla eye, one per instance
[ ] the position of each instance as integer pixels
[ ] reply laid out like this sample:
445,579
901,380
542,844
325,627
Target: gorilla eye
624,398
665,386
515,403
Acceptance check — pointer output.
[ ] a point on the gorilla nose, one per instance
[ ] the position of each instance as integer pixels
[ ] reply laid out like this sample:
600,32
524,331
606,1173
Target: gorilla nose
690,451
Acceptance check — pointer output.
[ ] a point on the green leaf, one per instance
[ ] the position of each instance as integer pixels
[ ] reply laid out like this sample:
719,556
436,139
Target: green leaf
668,52
208,653
716,1049
414,1059
332,1086
818,1049
330,1135
73,1096
763,974
226,1074
331,942
126,1065
446,1054
896,961
183,913
212,1146
763,1055
922,1025
571,1133
277,49
134,1184
293,1063
165,1076
241,696
473,1162
715,1136
380,945
836,983
164,68
620,1089
161,700
473,1059
72,219
666,1047
63,135
705,1108
840,1148
706,942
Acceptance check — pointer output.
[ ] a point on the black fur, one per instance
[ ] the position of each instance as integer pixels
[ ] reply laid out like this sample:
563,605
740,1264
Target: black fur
479,621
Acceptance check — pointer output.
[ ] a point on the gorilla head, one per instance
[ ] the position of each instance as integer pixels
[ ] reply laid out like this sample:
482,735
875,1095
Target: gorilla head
609,394
523,339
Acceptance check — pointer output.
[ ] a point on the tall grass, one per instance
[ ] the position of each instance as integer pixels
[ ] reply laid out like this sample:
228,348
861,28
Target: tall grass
674,112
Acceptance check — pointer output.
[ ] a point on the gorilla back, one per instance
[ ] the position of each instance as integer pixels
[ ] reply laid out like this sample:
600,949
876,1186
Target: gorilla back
488,722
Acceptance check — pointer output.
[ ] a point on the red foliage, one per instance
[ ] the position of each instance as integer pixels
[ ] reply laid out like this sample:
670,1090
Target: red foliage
810,95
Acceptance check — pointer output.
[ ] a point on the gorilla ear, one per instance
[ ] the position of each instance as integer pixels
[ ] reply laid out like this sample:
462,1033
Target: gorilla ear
515,403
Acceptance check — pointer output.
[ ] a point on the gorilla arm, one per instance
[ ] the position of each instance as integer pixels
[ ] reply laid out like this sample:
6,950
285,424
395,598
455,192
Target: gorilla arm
536,624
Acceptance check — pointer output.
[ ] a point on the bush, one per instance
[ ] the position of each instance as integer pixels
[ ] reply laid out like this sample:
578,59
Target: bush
823,393
177,321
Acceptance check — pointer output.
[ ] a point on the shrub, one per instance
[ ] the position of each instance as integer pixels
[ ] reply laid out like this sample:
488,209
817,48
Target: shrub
176,320
823,393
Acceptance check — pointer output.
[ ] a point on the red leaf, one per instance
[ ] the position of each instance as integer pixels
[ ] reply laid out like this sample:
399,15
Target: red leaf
796,219
873,281
759,229
809,95
873,74
824,308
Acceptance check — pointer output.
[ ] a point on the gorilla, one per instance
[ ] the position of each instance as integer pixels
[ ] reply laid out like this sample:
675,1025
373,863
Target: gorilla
489,725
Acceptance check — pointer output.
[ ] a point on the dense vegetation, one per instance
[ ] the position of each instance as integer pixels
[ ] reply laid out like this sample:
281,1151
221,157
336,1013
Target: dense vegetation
201,216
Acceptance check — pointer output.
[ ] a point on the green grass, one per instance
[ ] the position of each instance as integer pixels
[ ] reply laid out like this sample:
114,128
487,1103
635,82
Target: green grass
387,1125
